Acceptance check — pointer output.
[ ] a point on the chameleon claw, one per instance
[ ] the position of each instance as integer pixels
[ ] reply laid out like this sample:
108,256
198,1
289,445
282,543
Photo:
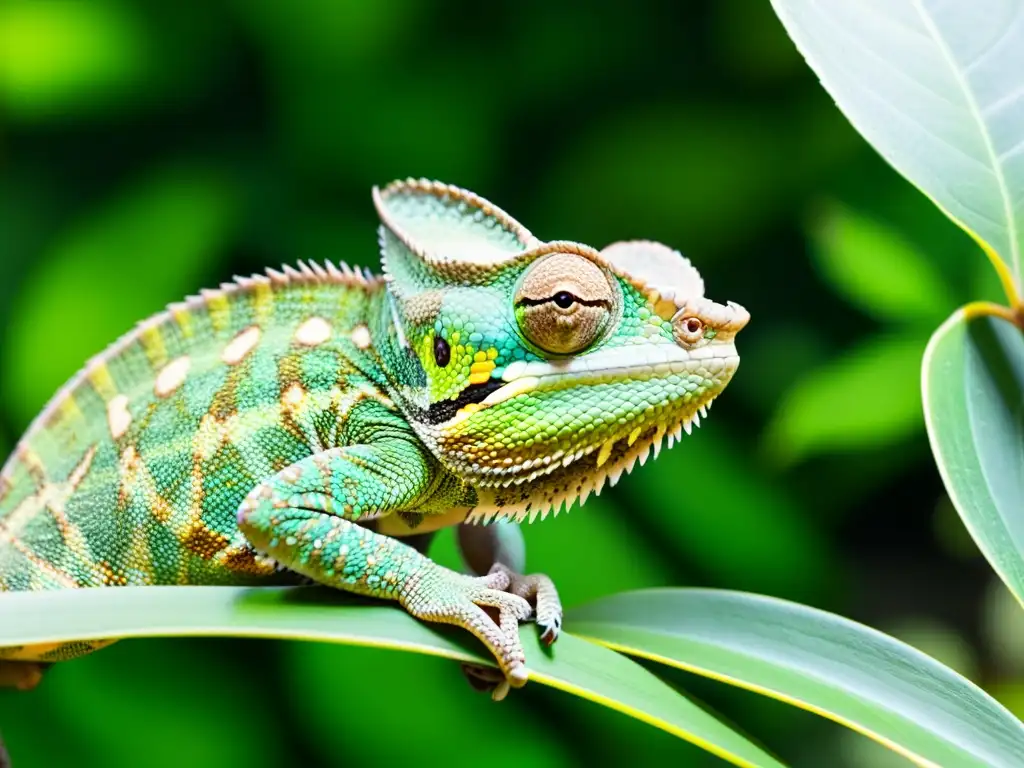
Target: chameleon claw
500,691
483,678
550,631
517,676
541,592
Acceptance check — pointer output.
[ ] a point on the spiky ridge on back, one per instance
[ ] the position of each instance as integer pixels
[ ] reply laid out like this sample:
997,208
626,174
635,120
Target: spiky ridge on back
190,368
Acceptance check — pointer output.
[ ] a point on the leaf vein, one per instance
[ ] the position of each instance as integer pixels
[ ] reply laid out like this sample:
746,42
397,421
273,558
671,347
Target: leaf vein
986,137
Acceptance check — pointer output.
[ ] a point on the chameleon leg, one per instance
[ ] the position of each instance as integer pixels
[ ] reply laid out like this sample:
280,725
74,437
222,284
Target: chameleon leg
499,548
305,518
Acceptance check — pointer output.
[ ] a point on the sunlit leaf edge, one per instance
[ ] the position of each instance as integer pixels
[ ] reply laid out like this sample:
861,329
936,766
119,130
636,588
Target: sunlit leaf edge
589,629
960,317
316,614
1006,277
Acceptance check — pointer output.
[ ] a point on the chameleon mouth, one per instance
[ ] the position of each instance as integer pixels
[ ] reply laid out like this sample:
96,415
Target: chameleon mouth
543,484
566,478
613,455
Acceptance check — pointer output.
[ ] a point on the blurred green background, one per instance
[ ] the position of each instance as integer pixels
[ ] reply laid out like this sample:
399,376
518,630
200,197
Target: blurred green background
154,147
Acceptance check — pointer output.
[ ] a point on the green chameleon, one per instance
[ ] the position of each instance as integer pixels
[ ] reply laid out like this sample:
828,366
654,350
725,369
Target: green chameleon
296,426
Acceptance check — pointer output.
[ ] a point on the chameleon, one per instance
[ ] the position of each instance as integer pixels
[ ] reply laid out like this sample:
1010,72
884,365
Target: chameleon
320,423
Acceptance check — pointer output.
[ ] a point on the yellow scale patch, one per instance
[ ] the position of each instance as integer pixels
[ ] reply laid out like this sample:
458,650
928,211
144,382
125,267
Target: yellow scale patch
483,364
219,308
262,303
152,341
183,317
68,410
101,380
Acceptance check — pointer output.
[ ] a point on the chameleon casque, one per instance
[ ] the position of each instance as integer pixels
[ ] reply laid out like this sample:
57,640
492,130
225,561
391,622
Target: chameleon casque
299,424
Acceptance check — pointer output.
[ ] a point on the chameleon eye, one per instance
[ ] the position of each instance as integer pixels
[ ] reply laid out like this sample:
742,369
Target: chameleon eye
688,330
564,299
442,352
563,303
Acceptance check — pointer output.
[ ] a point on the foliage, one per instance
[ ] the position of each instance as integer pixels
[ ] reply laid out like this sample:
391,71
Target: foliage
199,150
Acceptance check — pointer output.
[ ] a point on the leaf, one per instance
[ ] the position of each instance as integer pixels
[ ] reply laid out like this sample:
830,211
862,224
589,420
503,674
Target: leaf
936,88
876,268
972,384
815,660
59,56
867,397
575,666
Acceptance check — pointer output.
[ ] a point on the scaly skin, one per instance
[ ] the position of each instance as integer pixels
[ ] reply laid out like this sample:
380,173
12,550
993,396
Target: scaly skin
297,425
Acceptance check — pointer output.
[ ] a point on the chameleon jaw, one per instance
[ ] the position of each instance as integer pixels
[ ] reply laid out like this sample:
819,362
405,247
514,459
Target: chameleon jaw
535,487
560,482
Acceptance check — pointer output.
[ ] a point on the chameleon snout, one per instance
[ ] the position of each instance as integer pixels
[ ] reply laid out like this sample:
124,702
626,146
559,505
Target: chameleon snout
703,318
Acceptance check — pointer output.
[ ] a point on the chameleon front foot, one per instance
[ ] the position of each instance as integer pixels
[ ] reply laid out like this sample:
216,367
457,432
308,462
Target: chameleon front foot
440,595
540,590
547,611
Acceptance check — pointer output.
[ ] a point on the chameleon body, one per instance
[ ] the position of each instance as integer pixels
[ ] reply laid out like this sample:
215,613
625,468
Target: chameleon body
312,423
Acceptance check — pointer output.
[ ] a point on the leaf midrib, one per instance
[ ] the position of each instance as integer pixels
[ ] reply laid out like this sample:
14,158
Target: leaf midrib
986,137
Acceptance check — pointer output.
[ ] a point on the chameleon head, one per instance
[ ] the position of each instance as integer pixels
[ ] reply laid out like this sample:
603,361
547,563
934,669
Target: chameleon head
539,371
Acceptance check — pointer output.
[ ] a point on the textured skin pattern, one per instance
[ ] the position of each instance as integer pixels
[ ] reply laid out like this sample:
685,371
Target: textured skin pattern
296,425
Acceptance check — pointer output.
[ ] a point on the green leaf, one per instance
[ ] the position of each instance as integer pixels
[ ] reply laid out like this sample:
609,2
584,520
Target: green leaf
867,397
973,389
59,56
577,667
938,89
815,660
876,268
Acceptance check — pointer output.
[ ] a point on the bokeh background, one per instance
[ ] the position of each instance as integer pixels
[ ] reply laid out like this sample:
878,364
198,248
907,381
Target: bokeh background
154,147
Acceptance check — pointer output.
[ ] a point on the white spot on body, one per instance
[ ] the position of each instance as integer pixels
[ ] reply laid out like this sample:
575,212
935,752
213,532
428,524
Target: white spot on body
361,336
241,345
294,396
172,376
118,417
313,332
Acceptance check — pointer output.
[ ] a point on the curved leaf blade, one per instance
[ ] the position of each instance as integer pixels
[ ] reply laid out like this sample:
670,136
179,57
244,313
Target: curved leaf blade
308,613
937,88
876,268
972,384
821,662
